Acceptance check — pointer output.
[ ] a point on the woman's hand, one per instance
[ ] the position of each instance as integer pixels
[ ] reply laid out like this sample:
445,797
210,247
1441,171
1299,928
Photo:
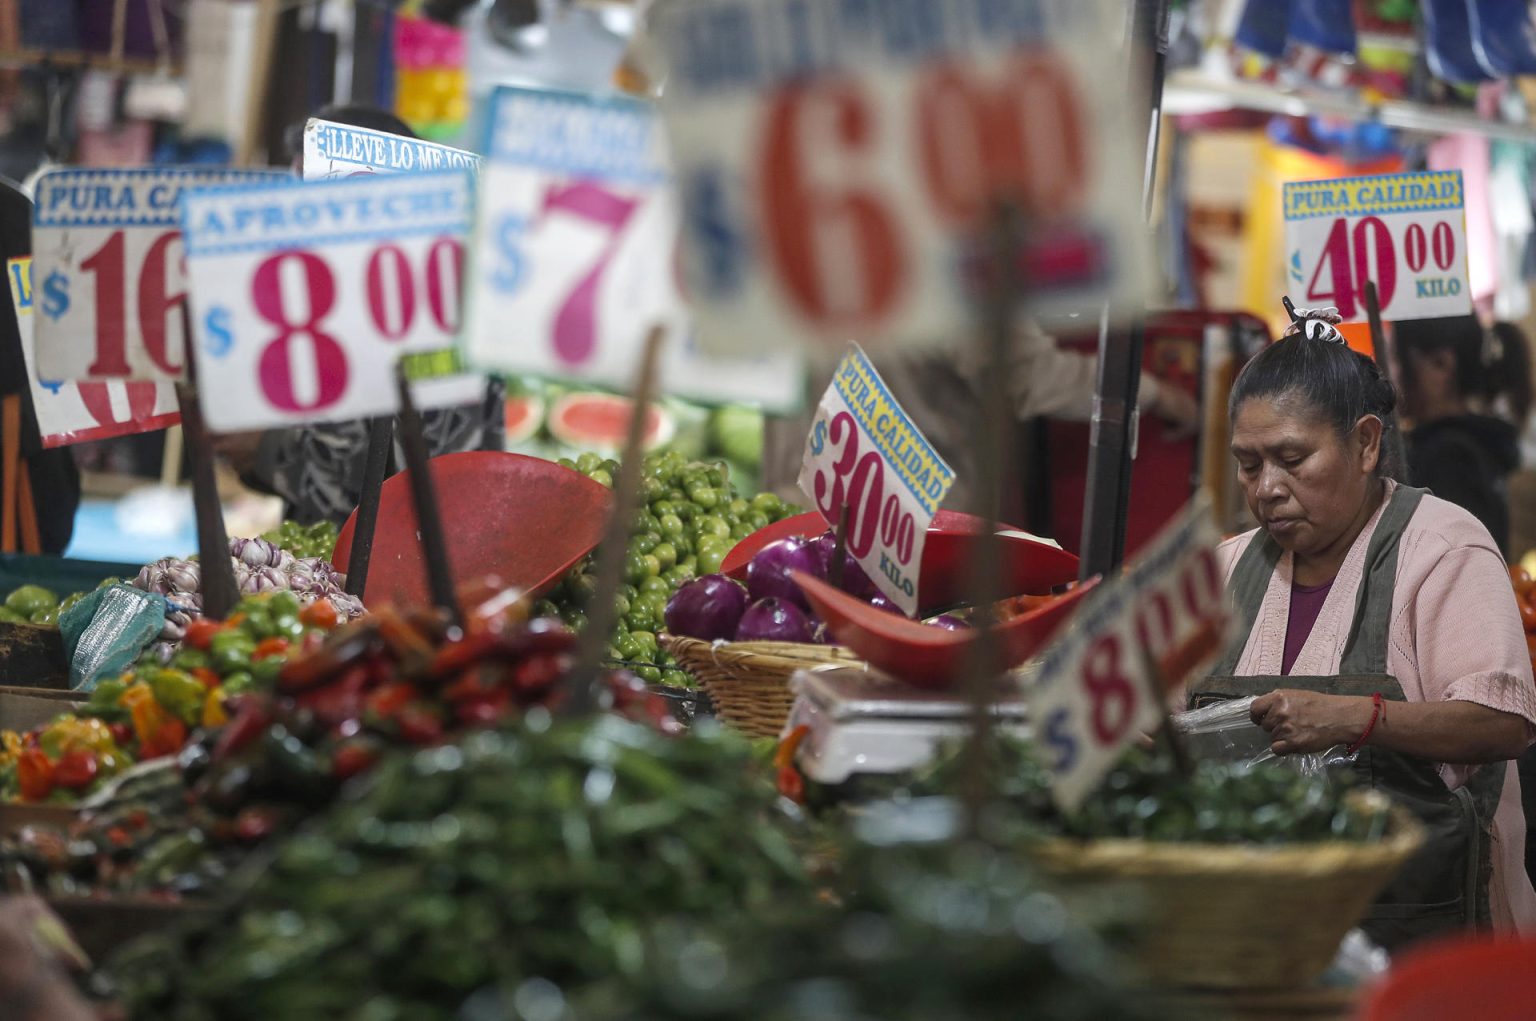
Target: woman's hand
1305,721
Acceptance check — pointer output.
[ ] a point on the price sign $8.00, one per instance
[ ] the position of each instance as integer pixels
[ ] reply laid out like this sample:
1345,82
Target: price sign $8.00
864,455
1095,692
309,294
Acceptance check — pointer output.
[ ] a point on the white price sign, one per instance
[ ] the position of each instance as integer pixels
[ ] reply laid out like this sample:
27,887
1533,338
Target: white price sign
80,412
1094,692
1406,232
308,294
837,160
865,454
577,247
341,150
111,280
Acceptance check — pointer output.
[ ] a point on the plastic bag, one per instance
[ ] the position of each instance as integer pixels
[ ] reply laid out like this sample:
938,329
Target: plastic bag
105,632
1225,731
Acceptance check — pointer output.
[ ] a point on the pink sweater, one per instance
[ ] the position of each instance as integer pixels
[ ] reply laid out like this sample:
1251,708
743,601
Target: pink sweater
1455,634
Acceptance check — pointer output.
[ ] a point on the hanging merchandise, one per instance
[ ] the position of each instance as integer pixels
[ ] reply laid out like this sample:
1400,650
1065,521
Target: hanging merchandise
1264,27
1468,153
1448,42
1504,36
1328,25
431,87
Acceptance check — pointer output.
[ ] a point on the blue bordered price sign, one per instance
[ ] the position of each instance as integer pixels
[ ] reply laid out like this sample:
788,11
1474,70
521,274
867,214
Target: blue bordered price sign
1094,692
836,160
1405,232
577,245
865,454
108,268
309,294
80,412
342,150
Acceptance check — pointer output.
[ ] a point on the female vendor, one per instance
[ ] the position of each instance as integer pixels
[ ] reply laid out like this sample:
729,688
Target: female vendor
1379,618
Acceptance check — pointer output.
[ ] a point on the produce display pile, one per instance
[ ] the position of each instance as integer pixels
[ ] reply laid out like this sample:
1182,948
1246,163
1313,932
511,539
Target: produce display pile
305,541
33,604
690,518
151,711
313,723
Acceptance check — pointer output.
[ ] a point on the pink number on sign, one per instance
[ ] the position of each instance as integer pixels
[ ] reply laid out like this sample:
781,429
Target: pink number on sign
1114,697
865,489
276,363
831,496
1371,237
389,273
155,304
1443,243
445,277
97,399
1415,247
576,323
106,264
1336,257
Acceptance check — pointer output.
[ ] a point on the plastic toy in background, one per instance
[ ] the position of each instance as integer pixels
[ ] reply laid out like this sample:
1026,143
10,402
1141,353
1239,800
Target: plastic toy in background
431,87
1448,42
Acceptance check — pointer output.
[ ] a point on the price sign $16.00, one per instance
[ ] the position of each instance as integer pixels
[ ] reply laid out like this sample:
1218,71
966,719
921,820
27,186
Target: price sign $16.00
1094,693
309,294
864,454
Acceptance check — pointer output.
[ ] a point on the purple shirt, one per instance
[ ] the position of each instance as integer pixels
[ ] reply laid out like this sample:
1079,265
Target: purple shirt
1306,602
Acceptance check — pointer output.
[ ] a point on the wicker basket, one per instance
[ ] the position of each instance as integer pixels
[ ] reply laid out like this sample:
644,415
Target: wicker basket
748,682
1241,916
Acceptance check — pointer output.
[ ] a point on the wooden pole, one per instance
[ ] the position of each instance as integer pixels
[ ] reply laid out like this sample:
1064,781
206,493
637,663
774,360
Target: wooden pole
429,522
220,593
381,437
1392,448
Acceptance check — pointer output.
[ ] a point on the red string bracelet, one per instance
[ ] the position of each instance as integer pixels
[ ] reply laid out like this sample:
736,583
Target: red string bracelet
1375,715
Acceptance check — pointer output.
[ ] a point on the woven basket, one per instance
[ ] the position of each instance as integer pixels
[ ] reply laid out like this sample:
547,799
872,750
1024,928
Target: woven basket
1248,917
748,682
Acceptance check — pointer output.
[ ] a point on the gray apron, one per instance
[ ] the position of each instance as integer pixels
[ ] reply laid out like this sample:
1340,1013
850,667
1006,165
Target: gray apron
1444,887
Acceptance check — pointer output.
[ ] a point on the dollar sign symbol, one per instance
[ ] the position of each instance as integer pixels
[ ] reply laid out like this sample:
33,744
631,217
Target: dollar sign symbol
55,295
220,337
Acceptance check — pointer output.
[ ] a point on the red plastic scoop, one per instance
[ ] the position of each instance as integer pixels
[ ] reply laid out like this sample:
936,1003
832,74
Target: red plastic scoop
522,518
1030,566
926,656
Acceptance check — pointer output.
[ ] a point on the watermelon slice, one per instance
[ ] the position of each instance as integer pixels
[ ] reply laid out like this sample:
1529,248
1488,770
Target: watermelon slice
525,414
600,422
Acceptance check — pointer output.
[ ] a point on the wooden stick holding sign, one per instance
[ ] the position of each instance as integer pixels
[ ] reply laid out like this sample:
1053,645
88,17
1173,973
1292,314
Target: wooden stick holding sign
1392,448
220,592
381,437
429,521
603,613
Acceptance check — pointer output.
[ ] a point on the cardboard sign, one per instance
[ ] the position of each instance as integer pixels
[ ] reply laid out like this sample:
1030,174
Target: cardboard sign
309,293
79,412
1407,232
106,250
341,150
836,162
577,246
1093,695
864,453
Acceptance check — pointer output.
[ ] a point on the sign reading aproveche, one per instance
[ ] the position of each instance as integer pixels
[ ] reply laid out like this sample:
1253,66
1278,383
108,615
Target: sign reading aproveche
309,294
1405,232
341,150
108,267
838,161
577,247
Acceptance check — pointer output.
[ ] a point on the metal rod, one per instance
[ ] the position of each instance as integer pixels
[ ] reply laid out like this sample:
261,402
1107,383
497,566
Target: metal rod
381,437
429,521
217,571
1392,448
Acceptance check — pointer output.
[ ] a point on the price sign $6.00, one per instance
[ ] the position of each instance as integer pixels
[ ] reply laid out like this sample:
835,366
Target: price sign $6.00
864,455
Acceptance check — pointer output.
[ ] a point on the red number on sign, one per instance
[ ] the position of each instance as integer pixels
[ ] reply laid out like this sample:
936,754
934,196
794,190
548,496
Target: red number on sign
1114,696
865,490
390,274
839,254
1415,247
830,497
859,482
97,398
445,276
576,323
276,363
1202,588
156,305
1443,242
1155,623
111,299
1336,257
1371,237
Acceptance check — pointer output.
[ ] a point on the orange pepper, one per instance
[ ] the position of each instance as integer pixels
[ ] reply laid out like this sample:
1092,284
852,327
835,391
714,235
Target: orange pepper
159,732
269,647
200,632
207,678
320,614
214,714
34,774
784,755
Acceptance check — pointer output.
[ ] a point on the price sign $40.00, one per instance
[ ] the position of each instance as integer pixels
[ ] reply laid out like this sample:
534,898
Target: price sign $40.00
306,319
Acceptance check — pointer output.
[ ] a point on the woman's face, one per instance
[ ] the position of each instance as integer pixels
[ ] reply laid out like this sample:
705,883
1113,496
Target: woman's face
1304,482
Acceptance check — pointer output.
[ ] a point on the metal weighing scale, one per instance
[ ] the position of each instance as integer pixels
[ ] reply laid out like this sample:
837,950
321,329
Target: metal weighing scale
863,722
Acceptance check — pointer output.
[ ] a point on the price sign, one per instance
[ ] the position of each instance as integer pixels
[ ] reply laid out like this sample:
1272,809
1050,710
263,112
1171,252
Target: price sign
865,454
577,245
106,246
79,412
1093,694
836,161
309,293
1407,232
341,150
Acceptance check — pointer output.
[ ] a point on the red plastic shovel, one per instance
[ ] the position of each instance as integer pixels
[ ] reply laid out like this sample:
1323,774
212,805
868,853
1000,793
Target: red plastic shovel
1030,567
523,519
922,655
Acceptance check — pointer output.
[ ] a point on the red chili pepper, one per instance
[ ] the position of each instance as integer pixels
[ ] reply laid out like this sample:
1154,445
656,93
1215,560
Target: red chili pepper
255,823
352,758
200,632
34,774
386,702
484,710
122,733
76,769
168,739
418,725
791,783
119,837
540,672
269,647
207,678
339,700
784,754
320,614
250,720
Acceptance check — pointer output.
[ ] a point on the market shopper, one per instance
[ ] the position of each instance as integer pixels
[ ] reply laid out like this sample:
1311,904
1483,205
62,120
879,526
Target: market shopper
1467,392
1380,618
